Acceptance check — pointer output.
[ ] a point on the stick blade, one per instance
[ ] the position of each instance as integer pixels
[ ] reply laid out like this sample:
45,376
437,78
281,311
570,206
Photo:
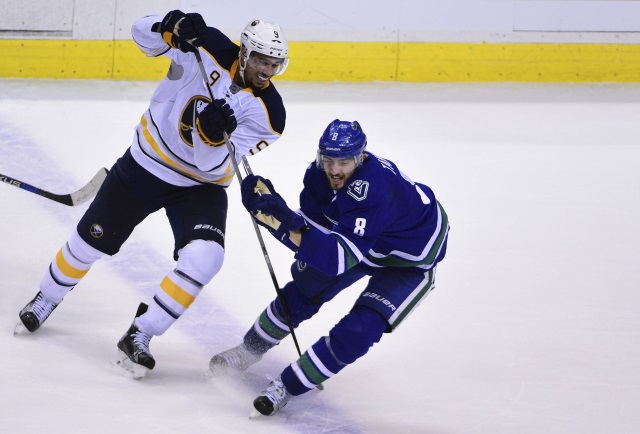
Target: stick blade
89,190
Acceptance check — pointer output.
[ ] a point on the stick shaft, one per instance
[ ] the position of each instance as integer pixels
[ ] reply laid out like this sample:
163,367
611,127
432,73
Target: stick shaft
263,247
71,199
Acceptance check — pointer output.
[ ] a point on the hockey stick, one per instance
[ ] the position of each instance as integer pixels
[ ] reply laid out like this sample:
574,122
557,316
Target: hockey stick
71,199
285,309
255,225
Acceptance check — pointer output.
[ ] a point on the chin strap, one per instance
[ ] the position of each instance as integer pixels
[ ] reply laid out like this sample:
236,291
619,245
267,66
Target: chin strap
242,68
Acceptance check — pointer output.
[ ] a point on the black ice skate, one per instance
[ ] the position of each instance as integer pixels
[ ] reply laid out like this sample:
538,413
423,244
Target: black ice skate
134,354
236,359
271,400
34,314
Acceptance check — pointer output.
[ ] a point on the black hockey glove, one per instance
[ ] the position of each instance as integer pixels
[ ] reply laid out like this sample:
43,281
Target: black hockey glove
215,118
269,209
183,31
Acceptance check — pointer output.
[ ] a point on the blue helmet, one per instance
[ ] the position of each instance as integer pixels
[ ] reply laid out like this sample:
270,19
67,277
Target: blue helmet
342,139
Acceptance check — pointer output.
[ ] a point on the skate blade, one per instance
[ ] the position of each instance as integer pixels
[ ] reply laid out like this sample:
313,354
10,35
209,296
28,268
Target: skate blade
127,367
255,414
20,329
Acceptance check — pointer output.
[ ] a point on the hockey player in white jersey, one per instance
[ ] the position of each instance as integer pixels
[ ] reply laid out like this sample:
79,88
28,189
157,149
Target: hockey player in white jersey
177,161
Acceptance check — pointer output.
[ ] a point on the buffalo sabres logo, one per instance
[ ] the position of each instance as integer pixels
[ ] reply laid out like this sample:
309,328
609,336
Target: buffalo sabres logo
96,230
188,116
358,189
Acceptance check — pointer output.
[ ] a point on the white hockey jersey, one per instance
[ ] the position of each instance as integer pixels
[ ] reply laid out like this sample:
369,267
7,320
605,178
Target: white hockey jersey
166,142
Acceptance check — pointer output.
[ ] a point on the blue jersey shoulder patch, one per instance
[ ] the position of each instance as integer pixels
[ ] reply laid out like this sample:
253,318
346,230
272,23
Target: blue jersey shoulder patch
358,189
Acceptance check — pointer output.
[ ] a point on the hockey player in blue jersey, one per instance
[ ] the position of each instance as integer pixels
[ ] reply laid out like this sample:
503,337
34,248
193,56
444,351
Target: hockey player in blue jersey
359,216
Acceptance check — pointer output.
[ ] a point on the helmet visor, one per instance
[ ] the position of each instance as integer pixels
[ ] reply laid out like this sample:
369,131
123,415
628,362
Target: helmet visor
267,64
324,162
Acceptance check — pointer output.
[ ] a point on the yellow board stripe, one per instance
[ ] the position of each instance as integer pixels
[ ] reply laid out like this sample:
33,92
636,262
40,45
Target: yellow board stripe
519,62
346,61
67,269
181,296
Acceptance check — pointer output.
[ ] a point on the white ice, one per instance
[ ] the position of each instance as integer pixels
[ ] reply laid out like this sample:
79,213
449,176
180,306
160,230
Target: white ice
534,326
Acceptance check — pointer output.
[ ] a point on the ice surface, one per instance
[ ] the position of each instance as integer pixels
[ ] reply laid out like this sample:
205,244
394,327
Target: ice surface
534,326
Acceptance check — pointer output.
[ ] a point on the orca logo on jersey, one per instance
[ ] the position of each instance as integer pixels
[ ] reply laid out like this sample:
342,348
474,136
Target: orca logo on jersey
96,230
301,266
358,189
187,117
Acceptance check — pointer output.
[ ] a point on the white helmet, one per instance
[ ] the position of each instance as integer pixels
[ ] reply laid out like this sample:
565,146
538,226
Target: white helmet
267,39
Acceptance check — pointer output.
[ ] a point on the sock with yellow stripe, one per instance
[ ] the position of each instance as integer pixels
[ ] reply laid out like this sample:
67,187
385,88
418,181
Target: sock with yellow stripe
71,264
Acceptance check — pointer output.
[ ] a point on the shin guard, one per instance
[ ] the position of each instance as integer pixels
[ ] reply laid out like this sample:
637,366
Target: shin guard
198,263
349,340
70,265
271,326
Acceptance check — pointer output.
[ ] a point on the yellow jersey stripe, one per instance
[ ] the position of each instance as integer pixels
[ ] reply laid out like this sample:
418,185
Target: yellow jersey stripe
156,147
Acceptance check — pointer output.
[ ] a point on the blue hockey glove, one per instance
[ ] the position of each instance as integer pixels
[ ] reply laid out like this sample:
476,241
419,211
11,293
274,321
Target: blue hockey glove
250,189
215,118
269,209
183,31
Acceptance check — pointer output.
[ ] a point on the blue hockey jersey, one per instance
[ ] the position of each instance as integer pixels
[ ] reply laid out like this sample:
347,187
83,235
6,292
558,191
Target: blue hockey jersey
381,218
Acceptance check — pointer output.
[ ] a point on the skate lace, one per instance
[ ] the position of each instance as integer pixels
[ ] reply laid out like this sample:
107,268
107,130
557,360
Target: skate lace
42,307
141,341
276,392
